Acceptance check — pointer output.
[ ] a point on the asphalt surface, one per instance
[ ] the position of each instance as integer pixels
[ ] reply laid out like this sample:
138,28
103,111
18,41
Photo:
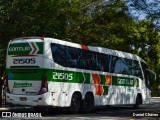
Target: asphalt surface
146,112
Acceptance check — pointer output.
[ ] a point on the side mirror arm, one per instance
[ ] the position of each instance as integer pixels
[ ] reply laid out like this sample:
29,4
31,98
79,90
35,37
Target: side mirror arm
152,73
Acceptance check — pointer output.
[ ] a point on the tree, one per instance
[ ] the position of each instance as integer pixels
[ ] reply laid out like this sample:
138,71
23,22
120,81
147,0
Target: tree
145,41
105,23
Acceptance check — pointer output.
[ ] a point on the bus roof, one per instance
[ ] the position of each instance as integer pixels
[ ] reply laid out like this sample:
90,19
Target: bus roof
91,48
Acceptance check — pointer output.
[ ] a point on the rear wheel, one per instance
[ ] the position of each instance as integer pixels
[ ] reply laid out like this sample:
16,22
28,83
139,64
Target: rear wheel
75,103
88,103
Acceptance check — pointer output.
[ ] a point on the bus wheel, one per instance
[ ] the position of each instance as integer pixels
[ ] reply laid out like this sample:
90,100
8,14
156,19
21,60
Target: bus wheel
136,105
75,103
88,103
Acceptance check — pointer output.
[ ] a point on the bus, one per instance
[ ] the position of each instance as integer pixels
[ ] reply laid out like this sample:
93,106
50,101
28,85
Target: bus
47,72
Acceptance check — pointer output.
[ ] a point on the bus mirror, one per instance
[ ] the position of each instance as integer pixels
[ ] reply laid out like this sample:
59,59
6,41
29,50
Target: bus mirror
152,74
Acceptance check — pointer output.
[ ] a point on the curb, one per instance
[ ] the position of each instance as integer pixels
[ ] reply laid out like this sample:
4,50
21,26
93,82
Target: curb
155,97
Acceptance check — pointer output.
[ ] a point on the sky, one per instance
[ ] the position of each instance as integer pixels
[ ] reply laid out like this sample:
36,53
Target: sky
152,7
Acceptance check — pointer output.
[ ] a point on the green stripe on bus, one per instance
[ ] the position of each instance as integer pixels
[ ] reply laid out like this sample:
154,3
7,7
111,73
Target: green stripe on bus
24,74
40,46
105,88
87,78
103,79
67,76
122,81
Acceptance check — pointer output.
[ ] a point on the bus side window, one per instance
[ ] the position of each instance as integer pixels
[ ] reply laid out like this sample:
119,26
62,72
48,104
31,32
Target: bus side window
59,54
72,57
103,62
100,62
118,66
126,66
83,59
93,62
137,69
115,65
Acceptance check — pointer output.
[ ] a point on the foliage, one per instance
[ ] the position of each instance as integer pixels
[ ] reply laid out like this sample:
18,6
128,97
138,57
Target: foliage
105,23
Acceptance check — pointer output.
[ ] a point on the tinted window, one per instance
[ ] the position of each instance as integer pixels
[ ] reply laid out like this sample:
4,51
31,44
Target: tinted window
86,58
126,66
78,58
116,65
137,69
59,54
72,57
121,65
103,61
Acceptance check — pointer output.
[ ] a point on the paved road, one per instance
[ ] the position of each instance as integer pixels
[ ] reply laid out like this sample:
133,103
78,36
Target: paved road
116,112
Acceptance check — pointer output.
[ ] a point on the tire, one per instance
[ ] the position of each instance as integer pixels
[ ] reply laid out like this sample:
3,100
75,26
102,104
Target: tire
136,105
75,103
88,103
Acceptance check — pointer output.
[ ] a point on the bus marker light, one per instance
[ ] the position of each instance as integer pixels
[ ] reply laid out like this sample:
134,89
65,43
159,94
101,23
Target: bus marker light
6,85
42,38
44,86
11,40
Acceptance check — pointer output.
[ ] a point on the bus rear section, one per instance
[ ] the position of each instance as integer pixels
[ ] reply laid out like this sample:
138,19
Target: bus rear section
25,83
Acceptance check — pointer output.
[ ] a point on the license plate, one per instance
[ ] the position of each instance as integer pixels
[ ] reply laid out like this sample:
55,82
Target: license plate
23,99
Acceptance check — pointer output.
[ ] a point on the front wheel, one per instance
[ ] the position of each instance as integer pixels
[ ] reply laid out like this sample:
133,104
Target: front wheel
75,103
136,105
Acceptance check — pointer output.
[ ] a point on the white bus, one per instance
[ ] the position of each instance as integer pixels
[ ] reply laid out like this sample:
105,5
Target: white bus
49,72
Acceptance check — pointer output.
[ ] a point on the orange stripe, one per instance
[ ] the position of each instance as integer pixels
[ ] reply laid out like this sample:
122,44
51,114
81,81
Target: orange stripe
99,88
96,78
108,79
84,47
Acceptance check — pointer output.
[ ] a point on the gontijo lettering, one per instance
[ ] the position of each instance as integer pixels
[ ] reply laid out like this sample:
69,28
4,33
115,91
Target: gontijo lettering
125,81
19,48
25,48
